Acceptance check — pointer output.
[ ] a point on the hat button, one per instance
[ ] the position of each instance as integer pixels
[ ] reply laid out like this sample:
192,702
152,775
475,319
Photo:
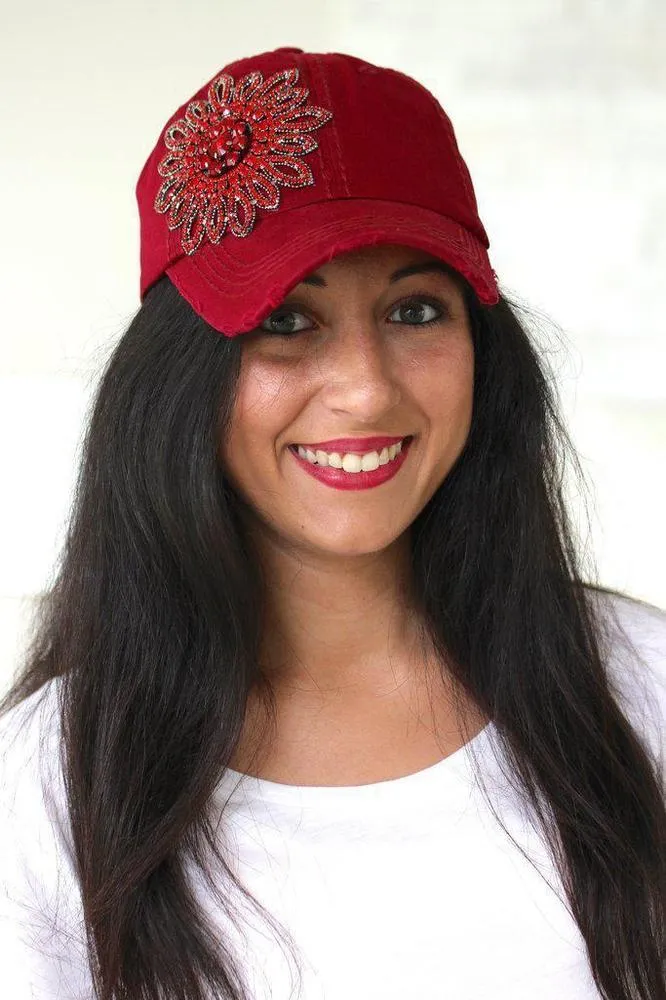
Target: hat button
287,49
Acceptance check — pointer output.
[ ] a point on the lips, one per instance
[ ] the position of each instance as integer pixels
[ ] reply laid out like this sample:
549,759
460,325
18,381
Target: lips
343,479
358,446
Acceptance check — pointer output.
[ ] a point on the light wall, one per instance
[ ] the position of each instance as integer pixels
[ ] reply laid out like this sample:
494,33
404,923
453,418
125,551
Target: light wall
560,112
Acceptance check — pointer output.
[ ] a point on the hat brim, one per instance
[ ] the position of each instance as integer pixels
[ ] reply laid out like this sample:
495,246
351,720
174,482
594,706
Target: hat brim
236,283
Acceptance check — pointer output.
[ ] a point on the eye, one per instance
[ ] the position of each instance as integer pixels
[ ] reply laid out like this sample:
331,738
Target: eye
282,322
289,322
416,307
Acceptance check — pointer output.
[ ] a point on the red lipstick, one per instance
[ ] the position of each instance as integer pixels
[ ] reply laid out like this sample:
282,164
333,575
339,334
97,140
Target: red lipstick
341,480
356,446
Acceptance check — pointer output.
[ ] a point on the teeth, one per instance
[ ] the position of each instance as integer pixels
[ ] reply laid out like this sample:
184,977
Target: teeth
351,462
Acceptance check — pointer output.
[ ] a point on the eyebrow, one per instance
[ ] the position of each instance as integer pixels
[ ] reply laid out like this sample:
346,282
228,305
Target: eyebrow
426,267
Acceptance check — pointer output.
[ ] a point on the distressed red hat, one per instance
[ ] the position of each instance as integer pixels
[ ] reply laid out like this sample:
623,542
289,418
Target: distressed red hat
284,160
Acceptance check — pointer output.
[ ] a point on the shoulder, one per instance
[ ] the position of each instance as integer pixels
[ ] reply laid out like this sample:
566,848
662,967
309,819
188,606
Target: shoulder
631,630
42,936
633,645
34,840
29,736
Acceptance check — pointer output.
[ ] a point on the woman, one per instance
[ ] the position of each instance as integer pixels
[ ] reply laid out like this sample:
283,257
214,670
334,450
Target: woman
320,698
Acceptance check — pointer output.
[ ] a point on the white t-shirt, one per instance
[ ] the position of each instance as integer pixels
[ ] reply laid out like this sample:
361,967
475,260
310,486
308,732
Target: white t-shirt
402,888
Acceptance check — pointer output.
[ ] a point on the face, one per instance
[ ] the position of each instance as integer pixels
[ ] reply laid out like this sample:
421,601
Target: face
355,350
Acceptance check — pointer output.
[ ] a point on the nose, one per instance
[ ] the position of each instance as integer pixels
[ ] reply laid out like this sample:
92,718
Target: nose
360,373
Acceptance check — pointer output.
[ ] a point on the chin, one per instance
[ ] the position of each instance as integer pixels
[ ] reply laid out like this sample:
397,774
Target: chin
351,546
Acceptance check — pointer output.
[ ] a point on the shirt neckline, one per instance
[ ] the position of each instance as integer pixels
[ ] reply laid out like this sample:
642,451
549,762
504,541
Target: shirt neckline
454,769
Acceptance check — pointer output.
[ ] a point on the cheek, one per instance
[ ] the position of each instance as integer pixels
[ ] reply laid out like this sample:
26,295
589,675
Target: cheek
443,383
446,400
263,406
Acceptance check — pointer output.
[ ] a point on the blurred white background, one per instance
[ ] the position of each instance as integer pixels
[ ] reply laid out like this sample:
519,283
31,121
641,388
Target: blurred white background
560,113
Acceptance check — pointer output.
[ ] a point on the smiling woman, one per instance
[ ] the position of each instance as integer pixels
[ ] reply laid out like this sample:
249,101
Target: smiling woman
320,645
356,368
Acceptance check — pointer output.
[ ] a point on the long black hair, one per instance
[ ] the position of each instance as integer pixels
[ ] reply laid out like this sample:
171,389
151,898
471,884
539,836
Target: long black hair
151,628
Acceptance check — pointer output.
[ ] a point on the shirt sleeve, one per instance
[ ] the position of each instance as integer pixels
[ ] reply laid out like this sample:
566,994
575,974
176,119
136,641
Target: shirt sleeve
634,642
42,939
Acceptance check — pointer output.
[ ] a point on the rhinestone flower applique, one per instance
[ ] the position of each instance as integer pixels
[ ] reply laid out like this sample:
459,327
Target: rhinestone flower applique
231,153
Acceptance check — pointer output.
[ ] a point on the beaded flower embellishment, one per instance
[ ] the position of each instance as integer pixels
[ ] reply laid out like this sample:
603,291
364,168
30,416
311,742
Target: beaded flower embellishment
231,154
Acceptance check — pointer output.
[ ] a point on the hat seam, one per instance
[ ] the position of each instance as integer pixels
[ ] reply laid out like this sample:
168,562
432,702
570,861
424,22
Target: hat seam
335,224
211,275
332,131
251,266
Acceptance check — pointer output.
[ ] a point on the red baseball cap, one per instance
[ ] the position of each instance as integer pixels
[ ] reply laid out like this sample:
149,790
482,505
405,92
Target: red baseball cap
284,160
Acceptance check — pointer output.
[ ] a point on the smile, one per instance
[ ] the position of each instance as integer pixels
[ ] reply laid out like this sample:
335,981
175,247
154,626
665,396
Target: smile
352,461
352,471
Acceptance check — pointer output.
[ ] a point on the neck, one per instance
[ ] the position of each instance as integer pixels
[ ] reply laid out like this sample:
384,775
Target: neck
339,625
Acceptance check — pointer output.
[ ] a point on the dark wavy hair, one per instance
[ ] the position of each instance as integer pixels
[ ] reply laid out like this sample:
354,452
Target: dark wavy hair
151,626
